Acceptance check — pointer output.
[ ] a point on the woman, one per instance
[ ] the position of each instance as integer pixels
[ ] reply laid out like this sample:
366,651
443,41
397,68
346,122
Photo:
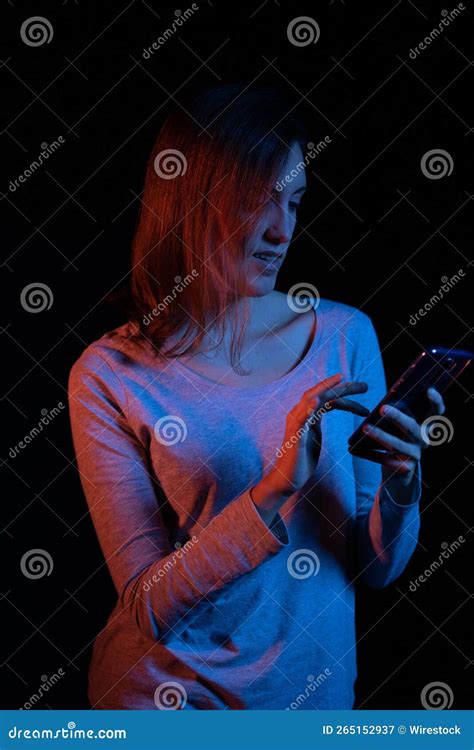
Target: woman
232,518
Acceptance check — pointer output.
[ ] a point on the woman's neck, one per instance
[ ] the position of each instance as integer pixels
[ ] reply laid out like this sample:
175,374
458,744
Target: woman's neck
264,315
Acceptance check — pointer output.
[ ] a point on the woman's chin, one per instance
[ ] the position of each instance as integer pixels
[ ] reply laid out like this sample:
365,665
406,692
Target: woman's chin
259,287
263,280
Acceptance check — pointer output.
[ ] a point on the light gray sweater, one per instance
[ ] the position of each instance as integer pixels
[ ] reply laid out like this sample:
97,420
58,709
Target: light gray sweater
231,613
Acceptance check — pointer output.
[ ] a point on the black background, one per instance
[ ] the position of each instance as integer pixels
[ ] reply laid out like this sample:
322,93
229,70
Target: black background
375,232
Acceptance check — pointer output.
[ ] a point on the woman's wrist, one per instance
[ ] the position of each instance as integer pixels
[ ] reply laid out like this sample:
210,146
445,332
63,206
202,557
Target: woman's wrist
403,490
268,498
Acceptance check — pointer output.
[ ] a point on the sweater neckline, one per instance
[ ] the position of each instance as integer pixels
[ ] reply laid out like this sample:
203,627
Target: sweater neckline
198,377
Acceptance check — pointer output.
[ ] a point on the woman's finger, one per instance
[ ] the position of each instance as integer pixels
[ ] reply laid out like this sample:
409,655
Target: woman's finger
311,401
331,388
346,404
333,397
320,387
437,402
323,395
345,389
392,443
398,464
328,395
407,424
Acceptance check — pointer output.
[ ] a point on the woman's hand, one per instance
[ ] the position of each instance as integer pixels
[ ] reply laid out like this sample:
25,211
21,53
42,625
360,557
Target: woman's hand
298,456
399,466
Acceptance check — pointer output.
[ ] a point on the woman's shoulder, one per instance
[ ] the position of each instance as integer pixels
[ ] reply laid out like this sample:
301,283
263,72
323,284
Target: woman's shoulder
344,316
333,314
123,346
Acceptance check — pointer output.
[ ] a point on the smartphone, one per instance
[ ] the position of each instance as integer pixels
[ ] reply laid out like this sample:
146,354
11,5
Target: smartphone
434,366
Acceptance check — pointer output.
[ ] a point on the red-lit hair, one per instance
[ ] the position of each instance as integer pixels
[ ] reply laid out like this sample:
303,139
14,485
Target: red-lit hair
225,146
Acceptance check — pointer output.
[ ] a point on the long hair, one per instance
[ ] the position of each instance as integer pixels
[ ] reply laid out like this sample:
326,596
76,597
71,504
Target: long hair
211,170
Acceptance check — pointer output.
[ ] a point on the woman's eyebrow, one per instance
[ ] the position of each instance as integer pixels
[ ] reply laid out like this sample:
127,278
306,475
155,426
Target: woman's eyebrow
300,190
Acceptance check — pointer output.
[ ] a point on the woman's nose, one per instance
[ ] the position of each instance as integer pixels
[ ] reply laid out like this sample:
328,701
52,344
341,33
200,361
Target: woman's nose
277,230
277,236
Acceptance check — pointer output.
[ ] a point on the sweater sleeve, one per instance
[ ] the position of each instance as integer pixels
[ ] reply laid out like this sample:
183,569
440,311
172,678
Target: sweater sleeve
386,531
163,588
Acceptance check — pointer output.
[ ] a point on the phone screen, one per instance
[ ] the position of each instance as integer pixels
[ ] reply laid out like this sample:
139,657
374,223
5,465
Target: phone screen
435,366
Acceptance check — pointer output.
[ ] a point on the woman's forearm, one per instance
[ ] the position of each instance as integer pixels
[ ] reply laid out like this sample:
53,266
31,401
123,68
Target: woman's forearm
268,499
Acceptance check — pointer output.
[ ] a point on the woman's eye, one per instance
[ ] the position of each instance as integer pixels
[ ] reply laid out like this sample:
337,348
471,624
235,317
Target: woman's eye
294,206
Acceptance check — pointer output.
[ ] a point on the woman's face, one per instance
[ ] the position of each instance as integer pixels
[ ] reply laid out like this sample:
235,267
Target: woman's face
274,228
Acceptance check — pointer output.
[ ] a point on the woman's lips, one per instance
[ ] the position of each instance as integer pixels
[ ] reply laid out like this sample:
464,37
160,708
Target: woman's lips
270,265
